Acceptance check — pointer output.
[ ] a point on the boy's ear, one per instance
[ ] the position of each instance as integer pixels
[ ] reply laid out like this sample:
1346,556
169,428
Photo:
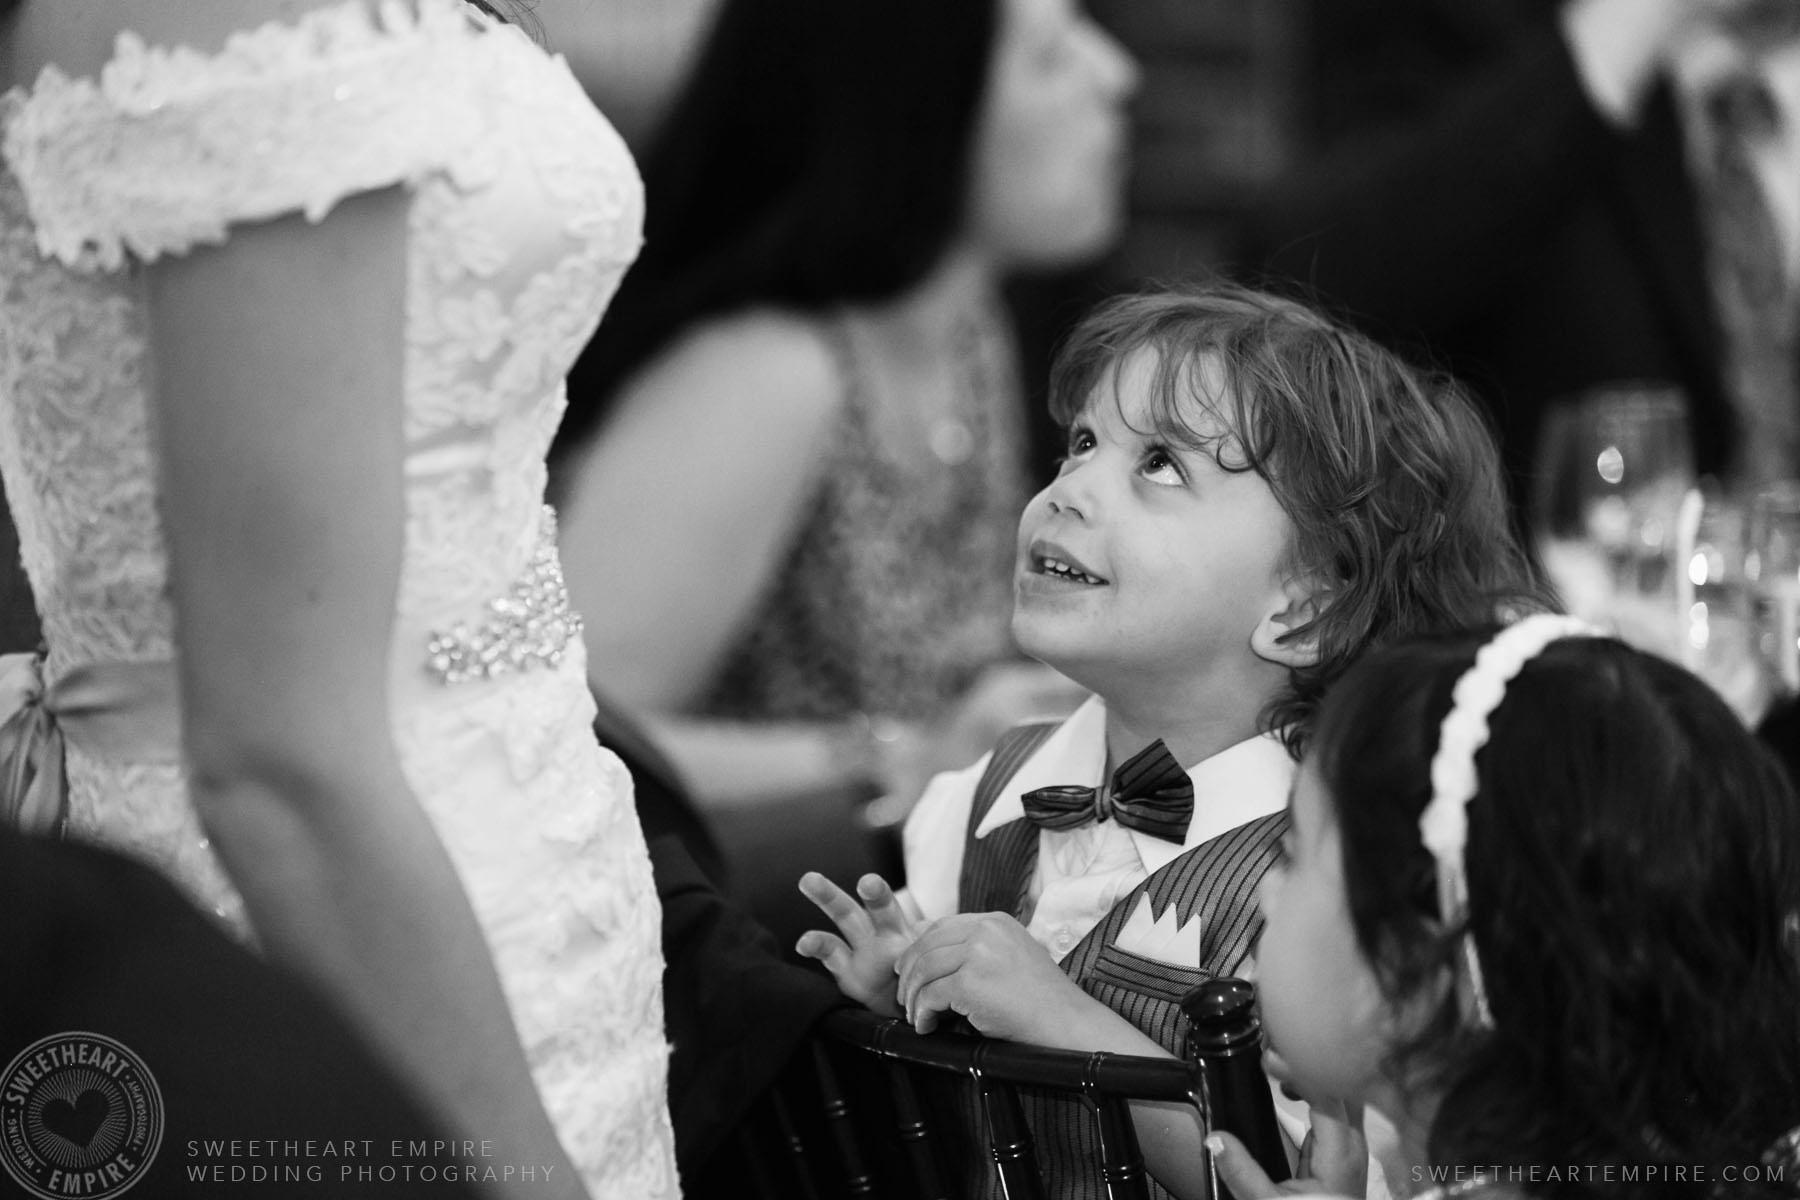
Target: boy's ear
1301,599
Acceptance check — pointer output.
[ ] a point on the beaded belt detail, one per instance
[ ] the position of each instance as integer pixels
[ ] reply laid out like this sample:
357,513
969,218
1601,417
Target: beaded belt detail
529,626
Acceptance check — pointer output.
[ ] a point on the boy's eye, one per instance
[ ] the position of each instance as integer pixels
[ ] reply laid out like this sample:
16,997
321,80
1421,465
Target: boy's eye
1161,466
1080,442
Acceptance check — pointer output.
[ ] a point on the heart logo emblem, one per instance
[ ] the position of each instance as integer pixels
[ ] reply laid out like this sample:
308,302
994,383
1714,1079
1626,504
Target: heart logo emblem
80,1121
77,1108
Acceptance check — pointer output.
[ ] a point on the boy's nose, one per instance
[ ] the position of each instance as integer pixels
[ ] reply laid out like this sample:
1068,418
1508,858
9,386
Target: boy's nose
1068,494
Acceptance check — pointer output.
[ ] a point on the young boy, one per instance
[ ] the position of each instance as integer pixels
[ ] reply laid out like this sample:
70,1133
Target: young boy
1251,497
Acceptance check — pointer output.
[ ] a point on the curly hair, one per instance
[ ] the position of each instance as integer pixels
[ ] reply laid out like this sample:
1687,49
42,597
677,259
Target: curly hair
1633,863
1389,475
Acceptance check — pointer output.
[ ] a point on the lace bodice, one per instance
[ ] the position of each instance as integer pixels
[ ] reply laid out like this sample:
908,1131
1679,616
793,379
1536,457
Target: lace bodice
524,208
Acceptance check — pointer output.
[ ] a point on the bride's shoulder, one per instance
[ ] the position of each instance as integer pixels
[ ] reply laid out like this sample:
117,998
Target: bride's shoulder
79,37
151,126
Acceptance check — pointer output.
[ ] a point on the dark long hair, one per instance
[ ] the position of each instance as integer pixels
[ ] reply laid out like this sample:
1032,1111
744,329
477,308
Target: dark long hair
1388,473
818,156
1633,863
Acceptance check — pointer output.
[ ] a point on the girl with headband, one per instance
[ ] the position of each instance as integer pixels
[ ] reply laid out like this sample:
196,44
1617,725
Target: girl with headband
1540,907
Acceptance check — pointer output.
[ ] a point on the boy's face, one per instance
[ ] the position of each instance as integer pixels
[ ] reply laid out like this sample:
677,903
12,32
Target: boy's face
1144,559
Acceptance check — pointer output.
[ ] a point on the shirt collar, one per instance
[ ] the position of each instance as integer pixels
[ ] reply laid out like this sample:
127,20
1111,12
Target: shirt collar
1240,783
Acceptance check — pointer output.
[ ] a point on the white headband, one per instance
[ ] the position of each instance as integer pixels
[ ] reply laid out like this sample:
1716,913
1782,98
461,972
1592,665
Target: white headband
1444,825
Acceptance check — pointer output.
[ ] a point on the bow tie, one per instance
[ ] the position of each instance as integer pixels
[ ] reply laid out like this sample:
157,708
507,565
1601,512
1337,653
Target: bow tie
1150,793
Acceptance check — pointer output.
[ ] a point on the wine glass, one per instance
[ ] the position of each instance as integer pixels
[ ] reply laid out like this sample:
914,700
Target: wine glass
1715,610
1613,467
1773,566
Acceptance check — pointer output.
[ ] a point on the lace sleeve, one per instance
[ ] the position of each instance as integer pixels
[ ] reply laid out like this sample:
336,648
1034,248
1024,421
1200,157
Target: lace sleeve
169,146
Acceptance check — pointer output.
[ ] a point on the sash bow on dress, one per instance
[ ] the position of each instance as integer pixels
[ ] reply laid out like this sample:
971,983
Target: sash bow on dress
118,711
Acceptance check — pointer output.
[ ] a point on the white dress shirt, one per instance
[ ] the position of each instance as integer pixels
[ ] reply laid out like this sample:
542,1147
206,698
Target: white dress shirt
1081,873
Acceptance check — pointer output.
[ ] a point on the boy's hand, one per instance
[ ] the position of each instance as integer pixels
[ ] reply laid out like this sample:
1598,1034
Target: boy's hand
875,931
988,968
1334,1158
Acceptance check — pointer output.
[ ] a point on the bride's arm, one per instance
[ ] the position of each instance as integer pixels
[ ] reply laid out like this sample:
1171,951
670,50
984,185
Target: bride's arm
278,360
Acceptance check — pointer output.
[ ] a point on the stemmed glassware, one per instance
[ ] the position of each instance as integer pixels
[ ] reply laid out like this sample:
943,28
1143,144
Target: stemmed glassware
1614,468
1708,578
1772,564
1714,610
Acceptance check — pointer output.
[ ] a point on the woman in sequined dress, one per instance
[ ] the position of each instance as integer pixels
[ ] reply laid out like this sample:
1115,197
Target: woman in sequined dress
288,290
793,464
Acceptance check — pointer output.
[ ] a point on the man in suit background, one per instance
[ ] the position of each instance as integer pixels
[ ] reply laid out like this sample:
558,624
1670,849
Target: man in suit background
1525,190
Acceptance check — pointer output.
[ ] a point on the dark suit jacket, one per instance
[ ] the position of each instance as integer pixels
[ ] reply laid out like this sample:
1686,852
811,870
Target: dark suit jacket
735,1006
1469,200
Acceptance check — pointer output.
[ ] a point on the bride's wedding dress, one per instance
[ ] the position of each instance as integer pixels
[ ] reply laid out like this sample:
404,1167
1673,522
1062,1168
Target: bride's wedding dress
525,208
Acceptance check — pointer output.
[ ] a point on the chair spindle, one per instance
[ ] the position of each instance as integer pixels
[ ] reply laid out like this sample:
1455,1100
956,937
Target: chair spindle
1009,1137
807,1188
914,1132
857,1180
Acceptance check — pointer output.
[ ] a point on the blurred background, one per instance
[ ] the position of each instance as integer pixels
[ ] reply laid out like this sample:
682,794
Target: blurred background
1221,111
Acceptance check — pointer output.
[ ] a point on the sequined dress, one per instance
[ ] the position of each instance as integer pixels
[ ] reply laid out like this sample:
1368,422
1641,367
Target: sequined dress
896,589
524,208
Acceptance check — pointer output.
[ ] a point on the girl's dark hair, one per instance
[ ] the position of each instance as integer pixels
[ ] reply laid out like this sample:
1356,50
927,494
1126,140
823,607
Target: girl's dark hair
1633,863
818,156
1389,474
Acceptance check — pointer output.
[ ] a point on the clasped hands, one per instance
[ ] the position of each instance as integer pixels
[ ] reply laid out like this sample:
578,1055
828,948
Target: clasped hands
984,966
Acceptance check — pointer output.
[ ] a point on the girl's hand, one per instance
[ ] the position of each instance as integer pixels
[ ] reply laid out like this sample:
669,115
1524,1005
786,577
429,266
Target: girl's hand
1333,1159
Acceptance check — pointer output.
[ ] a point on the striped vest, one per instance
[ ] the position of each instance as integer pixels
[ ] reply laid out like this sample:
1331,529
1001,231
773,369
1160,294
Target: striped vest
1214,882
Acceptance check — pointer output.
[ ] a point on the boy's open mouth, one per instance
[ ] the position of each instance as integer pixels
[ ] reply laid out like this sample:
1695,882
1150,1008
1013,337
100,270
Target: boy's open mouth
1058,563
